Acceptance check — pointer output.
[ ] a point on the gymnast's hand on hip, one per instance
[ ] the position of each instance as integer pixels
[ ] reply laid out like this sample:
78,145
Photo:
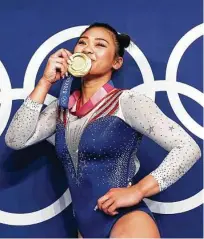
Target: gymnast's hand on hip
117,198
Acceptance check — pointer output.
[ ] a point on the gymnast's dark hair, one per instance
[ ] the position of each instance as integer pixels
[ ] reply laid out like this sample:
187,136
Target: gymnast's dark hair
122,40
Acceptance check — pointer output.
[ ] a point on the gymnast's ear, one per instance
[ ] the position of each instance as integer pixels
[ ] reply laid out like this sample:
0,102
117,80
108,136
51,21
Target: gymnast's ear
117,63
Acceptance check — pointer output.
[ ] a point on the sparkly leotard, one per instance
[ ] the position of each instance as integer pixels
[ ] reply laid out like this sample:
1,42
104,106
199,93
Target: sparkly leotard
99,149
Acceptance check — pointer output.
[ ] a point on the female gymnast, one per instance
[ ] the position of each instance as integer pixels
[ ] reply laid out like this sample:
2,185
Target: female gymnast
98,130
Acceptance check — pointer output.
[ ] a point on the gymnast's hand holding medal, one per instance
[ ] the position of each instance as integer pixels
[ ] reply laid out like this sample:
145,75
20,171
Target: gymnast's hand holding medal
63,62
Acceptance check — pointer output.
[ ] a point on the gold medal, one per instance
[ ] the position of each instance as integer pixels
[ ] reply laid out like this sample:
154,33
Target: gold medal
80,65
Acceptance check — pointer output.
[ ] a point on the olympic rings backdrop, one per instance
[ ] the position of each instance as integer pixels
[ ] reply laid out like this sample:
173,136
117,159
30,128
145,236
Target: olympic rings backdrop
164,61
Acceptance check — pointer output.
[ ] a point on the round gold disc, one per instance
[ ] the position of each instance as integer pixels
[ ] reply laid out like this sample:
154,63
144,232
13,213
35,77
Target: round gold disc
80,65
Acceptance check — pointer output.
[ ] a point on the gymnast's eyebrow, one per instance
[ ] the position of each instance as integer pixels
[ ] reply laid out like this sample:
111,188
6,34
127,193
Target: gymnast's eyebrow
98,38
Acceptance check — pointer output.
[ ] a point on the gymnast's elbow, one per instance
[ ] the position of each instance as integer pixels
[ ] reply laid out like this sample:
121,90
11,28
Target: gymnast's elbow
196,149
12,142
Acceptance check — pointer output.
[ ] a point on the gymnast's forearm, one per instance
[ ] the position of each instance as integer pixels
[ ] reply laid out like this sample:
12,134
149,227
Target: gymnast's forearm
147,186
39,93
29,125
